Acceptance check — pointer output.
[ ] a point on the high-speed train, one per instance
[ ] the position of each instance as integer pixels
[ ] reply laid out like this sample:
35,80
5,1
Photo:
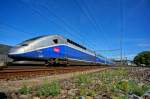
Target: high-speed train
56,49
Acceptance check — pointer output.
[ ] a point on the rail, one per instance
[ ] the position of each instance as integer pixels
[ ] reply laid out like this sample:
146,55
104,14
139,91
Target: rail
24,73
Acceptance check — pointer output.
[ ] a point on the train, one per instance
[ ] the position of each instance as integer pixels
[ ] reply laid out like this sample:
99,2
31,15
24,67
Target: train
56,49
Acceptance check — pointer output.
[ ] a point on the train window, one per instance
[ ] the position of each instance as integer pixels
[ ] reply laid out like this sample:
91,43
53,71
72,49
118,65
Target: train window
78,45
32,39
55,41
24,45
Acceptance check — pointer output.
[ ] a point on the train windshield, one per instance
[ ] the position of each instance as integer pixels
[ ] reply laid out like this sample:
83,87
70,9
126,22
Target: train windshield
26,42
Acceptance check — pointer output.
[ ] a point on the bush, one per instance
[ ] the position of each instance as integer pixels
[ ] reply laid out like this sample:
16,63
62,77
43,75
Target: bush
25,90
82,79
48,89
122,85
137,89
132,87
142,59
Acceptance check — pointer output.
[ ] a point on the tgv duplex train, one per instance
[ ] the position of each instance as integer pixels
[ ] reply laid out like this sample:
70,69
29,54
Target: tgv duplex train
55,49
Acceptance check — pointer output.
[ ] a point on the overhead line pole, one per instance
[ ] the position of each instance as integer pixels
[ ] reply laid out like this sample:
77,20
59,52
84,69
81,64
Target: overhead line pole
121,30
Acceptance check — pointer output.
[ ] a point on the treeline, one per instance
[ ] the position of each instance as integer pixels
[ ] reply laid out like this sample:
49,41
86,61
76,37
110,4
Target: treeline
142,59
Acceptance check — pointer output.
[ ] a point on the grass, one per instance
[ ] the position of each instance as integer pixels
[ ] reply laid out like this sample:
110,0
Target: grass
115,82
82,79
25,90
48,89
134,87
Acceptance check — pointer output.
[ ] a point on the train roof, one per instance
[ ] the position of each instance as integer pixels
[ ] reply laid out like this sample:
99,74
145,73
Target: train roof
38,37
57,35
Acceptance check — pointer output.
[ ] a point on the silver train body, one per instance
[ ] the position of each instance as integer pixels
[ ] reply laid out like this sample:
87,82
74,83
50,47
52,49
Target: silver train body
52,48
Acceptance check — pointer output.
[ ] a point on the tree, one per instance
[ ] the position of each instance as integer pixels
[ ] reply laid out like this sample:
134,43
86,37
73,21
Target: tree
142,59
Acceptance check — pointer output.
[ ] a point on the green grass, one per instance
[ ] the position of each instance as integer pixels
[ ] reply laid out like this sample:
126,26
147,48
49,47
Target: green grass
114,81
25,90
136,88
82,79
48,89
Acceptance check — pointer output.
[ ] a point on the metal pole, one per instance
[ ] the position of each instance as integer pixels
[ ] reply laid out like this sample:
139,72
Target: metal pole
105,60
121,36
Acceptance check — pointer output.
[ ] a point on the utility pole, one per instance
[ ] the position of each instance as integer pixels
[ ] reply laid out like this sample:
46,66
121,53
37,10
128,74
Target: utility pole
105,60
121,50
121,30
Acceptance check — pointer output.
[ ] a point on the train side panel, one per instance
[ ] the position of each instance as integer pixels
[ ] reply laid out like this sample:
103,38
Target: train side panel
62,52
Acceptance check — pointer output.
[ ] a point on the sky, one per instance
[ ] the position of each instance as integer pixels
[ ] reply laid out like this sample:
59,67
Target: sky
99,25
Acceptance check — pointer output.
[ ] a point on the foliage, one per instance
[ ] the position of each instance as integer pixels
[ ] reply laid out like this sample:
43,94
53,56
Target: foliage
136,88
25,90
82,79
115,81
131,87
122,85
142,59
82,91
48,89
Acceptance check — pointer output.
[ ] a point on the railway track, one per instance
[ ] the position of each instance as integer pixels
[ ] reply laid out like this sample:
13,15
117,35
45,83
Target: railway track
18,73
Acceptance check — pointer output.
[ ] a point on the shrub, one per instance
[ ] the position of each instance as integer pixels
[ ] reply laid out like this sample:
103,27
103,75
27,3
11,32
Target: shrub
48,89
132,87
122,85
137,89
82,79
25,90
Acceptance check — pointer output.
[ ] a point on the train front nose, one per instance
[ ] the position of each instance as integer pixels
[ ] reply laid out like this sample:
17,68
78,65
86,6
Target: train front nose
15,52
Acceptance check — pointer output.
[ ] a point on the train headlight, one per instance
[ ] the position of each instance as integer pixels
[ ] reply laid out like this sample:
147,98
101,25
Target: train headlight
56,49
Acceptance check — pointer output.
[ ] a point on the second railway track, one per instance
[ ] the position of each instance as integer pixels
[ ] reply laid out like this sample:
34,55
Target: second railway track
18,73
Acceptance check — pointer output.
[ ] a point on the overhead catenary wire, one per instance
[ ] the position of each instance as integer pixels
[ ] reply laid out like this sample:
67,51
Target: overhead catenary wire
90,17
15,28
40,14
64,22
110,50
75,30
81,9
93,21
99,27
18,29
37,11
58,17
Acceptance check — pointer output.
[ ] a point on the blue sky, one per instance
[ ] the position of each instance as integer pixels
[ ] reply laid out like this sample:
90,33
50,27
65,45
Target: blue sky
97,24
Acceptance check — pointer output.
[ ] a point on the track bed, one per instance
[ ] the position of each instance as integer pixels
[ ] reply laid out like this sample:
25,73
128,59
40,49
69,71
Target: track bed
25,72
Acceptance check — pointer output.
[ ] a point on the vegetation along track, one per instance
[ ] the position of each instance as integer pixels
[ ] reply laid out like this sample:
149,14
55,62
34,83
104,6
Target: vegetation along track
16,73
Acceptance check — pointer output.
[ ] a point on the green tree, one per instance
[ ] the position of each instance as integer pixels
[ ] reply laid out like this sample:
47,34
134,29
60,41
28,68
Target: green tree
142,59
